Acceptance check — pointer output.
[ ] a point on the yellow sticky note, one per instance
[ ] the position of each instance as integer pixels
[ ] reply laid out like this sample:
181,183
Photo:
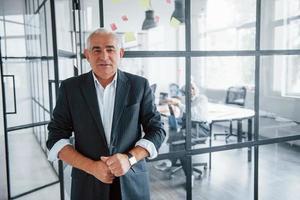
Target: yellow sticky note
174,22
145,4
129,37
116,1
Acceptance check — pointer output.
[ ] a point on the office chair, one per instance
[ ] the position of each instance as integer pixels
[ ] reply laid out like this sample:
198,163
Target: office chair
176,141
234,96
153,88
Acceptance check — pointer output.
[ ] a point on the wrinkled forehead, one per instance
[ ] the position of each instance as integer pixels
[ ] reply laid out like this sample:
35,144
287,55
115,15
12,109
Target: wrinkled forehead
103,40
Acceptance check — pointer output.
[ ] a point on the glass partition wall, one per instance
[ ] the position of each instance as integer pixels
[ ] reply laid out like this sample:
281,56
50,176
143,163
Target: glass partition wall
224,75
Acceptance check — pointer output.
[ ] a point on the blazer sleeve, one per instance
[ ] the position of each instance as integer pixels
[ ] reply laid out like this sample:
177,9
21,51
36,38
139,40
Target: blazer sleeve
60,126
151,119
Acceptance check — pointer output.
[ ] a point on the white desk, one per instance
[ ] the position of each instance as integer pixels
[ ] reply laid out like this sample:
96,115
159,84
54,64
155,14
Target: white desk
223,113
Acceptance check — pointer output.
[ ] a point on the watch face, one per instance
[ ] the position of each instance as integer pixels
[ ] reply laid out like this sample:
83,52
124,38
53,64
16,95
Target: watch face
132,160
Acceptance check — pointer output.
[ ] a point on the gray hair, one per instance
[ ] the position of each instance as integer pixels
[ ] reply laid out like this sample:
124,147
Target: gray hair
105,31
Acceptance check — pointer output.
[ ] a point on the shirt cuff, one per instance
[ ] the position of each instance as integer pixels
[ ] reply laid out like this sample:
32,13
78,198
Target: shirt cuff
53,153
149,146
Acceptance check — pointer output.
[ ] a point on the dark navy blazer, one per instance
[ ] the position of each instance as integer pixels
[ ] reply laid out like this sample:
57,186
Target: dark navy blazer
77,111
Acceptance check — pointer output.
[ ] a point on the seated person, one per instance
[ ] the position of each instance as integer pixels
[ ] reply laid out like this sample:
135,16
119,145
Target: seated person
199,104
199,113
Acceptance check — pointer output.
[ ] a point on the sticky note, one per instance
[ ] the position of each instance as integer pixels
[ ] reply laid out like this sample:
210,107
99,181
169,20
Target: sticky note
129,37
174,22
145,4
124,18
157,19
113,26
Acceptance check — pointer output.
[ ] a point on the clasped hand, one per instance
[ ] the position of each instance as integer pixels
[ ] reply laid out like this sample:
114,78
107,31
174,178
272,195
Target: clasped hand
110,167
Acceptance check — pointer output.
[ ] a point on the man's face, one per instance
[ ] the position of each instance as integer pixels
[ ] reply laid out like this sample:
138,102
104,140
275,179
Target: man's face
104,55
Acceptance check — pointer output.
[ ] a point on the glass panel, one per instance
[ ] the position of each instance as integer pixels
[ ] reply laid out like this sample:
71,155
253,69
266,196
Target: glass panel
9,93
230,176
49,29
282,159
29,167
90,19
207,72
234,29
64,24
279,86
160,32
3,49
1,26
155,70
3,159
23,92
222,106
16,47
42,19
66,69
162,184
280,24
14,25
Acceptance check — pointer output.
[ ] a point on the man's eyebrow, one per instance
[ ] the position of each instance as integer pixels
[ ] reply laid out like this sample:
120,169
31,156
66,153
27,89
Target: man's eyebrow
107,46
96,47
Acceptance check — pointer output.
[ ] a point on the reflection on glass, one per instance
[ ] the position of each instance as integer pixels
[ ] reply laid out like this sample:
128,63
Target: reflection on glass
219,73
90,19
279,86
230,177
164,87
127,18
280,24
14,25
228,84
15,47
162,186
234,29
63,25
282,159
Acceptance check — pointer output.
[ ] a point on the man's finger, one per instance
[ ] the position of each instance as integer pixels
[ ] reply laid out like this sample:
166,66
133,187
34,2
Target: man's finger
104,158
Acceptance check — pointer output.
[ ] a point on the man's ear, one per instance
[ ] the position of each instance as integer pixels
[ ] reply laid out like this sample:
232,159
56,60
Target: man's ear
122,51
86,54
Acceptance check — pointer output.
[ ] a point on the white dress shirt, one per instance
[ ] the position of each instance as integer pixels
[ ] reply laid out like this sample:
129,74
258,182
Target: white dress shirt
106,102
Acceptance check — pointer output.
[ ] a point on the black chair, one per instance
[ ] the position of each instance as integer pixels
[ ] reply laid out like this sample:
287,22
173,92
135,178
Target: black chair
176,141
153,88
234,96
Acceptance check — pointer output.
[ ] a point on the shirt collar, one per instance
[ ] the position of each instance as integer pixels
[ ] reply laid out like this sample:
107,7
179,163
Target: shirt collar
114,81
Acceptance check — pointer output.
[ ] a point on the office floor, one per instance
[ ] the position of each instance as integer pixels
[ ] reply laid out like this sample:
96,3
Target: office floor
231,176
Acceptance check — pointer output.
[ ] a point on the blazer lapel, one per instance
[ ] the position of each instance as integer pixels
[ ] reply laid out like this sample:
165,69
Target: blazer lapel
122,91
89,92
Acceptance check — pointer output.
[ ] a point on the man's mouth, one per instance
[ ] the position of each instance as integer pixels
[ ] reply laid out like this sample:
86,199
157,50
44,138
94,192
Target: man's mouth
104,64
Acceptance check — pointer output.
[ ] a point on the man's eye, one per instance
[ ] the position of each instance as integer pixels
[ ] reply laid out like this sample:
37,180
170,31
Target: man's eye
110,50
96,51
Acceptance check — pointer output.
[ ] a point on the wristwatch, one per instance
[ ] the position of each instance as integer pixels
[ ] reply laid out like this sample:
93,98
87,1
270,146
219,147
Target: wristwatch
131,158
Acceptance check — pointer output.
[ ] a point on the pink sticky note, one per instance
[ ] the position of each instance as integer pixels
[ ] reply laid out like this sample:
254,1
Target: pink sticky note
157,19
168,1
124,18
113,26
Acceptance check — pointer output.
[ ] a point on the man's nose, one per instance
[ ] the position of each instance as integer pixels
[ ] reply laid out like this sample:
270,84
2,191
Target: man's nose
103,55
